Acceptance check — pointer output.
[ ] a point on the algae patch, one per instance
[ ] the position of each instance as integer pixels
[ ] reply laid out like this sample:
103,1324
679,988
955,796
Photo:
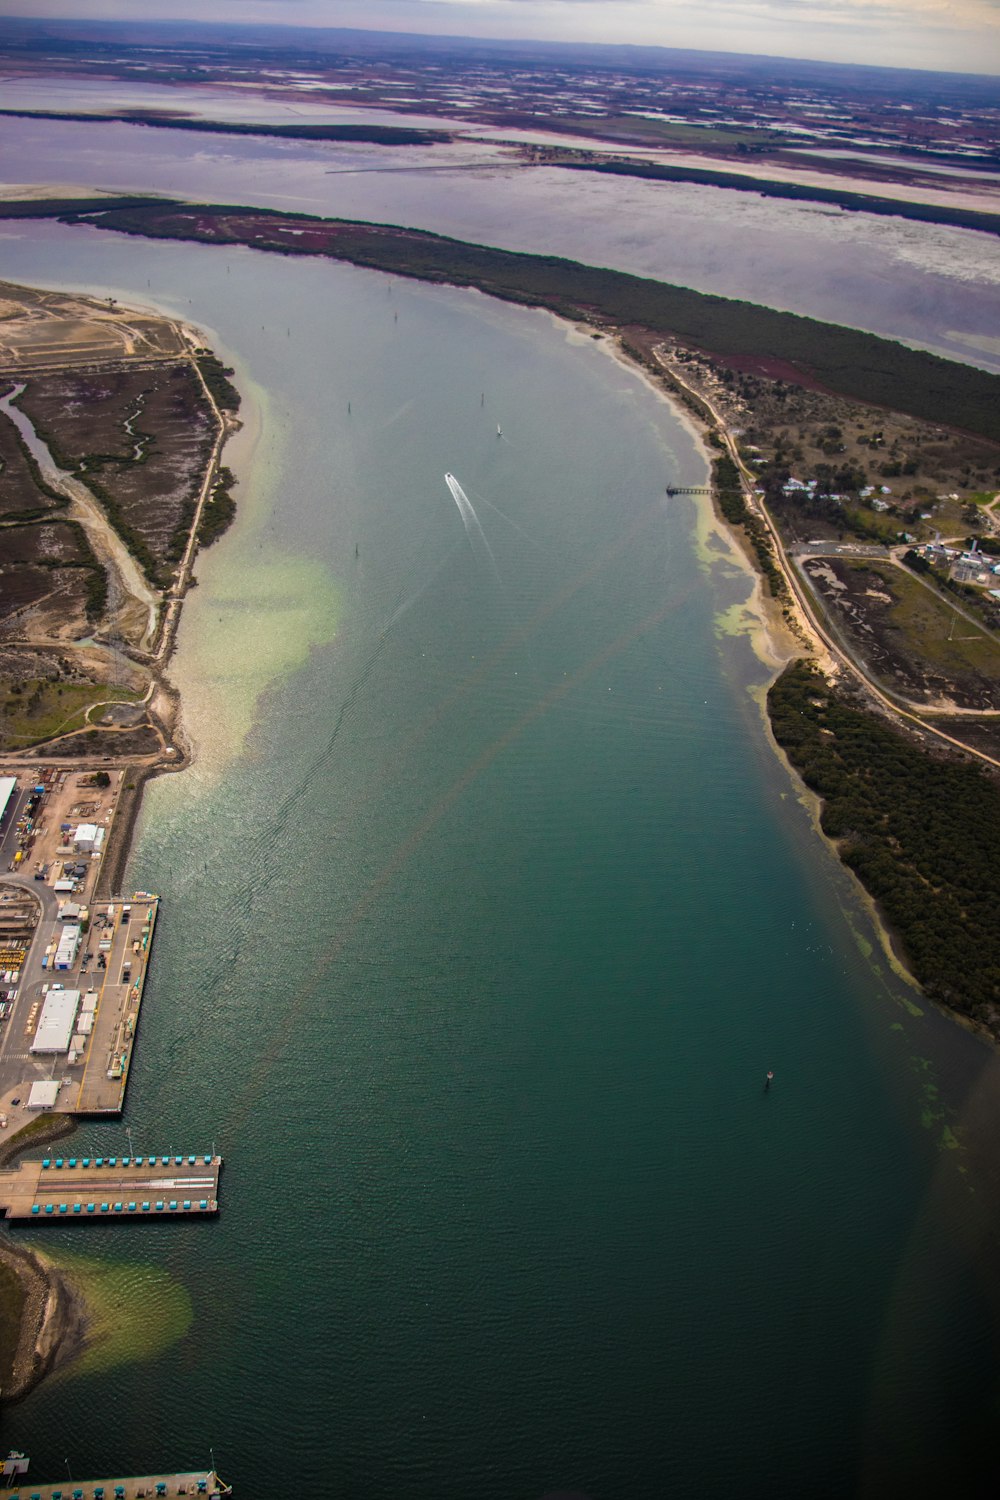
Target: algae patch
251,634
133,1311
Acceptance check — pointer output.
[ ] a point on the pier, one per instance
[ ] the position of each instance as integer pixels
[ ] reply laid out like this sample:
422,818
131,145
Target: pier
200,1482
112,1187
126,935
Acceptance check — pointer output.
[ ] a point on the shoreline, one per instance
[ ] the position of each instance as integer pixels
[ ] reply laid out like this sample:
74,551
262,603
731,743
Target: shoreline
55,1318
53,1314
772,641
776,642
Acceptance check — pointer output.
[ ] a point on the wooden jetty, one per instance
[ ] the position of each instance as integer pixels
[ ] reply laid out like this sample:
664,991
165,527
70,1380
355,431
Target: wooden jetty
111,1187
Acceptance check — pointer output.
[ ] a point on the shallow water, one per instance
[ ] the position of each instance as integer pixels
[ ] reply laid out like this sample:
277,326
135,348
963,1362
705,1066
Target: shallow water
486,907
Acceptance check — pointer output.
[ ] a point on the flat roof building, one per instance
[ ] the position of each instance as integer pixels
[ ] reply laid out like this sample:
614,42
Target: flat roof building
43,1094
56,1022
8,786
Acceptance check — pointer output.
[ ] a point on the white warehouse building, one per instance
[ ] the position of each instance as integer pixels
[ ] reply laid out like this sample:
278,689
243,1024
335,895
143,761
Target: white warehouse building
69,945
57,1021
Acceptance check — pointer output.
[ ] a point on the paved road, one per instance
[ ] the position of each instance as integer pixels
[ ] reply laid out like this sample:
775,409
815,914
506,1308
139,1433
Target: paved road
912,712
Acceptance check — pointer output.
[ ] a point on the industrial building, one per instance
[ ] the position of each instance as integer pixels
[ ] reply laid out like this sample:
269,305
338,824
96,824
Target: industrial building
57,1021
68,946
44,1094
88,838
8,786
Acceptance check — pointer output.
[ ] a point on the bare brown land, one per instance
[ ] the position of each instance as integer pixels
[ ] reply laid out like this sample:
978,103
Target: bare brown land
53,330
140,434
113,426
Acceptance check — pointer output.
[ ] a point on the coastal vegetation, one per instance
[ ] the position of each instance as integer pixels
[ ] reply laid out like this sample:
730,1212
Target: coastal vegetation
919,829
219,510
872,370
218,379
51,208
12,1298
897,208
139,439
40,709
46,555
135,543
24,493
376,135
731,502
909,638
121,406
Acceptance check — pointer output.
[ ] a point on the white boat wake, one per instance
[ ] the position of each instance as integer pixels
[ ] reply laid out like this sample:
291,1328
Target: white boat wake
475,532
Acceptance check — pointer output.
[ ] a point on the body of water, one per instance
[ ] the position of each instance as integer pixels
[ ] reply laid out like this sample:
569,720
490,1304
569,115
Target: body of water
925,284
486,908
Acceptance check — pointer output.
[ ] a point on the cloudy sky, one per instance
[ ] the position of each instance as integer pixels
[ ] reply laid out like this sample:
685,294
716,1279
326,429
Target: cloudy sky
962,35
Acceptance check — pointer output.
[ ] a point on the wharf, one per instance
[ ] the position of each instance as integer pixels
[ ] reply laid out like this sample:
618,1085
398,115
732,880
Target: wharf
100,978
128,931
111,1187
200,1482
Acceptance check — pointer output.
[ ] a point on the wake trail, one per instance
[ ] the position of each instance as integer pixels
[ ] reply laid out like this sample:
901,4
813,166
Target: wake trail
408,604
475,532
512,523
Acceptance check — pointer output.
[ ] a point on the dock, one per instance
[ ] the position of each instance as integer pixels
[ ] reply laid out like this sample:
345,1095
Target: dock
127,932
112,1187
200,1482
67,1042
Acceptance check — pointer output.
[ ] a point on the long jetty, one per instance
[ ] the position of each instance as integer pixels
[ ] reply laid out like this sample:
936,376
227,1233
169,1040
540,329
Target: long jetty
200,1482
111,1187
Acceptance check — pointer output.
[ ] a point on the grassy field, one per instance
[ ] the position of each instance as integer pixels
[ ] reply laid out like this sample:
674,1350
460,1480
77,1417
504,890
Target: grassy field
877,524
37,710
931,629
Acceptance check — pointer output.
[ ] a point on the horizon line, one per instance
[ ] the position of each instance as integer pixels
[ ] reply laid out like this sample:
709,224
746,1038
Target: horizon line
80,23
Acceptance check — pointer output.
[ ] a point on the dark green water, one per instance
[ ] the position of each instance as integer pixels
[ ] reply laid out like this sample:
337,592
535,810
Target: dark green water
487,906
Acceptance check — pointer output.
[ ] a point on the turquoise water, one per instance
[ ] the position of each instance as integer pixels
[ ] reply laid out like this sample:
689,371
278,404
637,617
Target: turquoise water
486,907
